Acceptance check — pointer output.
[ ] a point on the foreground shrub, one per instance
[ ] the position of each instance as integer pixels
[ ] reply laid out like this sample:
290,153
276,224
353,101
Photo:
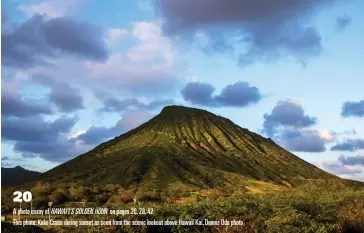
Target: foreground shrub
351,215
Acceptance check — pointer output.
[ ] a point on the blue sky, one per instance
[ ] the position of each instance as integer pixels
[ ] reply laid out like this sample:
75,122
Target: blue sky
76,73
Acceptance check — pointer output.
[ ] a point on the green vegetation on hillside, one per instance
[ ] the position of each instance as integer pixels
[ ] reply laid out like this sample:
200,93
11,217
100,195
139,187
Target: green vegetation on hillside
313,206
189,147
188,163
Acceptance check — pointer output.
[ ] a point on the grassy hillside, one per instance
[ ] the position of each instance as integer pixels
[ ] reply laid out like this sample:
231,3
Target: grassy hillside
190,147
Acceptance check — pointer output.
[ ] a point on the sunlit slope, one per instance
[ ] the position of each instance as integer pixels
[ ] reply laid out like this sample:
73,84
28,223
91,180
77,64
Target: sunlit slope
189,147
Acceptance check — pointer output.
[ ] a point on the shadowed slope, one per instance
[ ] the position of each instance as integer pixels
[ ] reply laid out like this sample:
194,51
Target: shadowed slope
16,175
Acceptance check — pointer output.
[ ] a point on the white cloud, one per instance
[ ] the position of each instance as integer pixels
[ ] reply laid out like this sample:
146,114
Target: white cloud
131,120
146,68
147,65
326,135
114,35
122,71
153,45
295,101
75,134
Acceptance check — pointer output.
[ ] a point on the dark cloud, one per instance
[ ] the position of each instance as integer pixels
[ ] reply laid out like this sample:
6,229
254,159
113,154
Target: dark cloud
353,109
198,93
66,98
37,39
112,104
240,94
34,137
343,22
22,46
59,150
302,43
34,128
287,124
77,37
130,120
4,158
270,28
12,104
349,145
352,160
96,135
302,140
286,113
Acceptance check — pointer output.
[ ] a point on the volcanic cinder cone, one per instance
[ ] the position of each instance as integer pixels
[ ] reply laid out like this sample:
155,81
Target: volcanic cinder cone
189,147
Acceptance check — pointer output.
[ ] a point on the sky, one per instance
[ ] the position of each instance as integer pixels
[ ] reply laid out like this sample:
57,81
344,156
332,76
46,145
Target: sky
78,73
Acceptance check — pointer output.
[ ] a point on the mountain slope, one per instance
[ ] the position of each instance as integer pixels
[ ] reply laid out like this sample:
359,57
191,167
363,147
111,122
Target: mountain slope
189,147
16,175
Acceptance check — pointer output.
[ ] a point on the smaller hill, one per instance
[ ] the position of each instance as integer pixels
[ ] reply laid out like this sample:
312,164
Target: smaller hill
16,175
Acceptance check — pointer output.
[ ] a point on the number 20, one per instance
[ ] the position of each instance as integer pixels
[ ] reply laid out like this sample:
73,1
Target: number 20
27,196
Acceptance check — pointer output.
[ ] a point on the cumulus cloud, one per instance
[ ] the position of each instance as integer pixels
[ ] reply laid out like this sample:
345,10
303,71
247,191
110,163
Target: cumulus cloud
153,44
13,104
352,160
62,56
147,67
82,38
240,94
269,28
95,135
35,137
60,150
327,135
343,22
300,140
349,145
287,112
36,40
65,97
130,120
135,76
353,109
198,93
34,128
114,35
288,125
